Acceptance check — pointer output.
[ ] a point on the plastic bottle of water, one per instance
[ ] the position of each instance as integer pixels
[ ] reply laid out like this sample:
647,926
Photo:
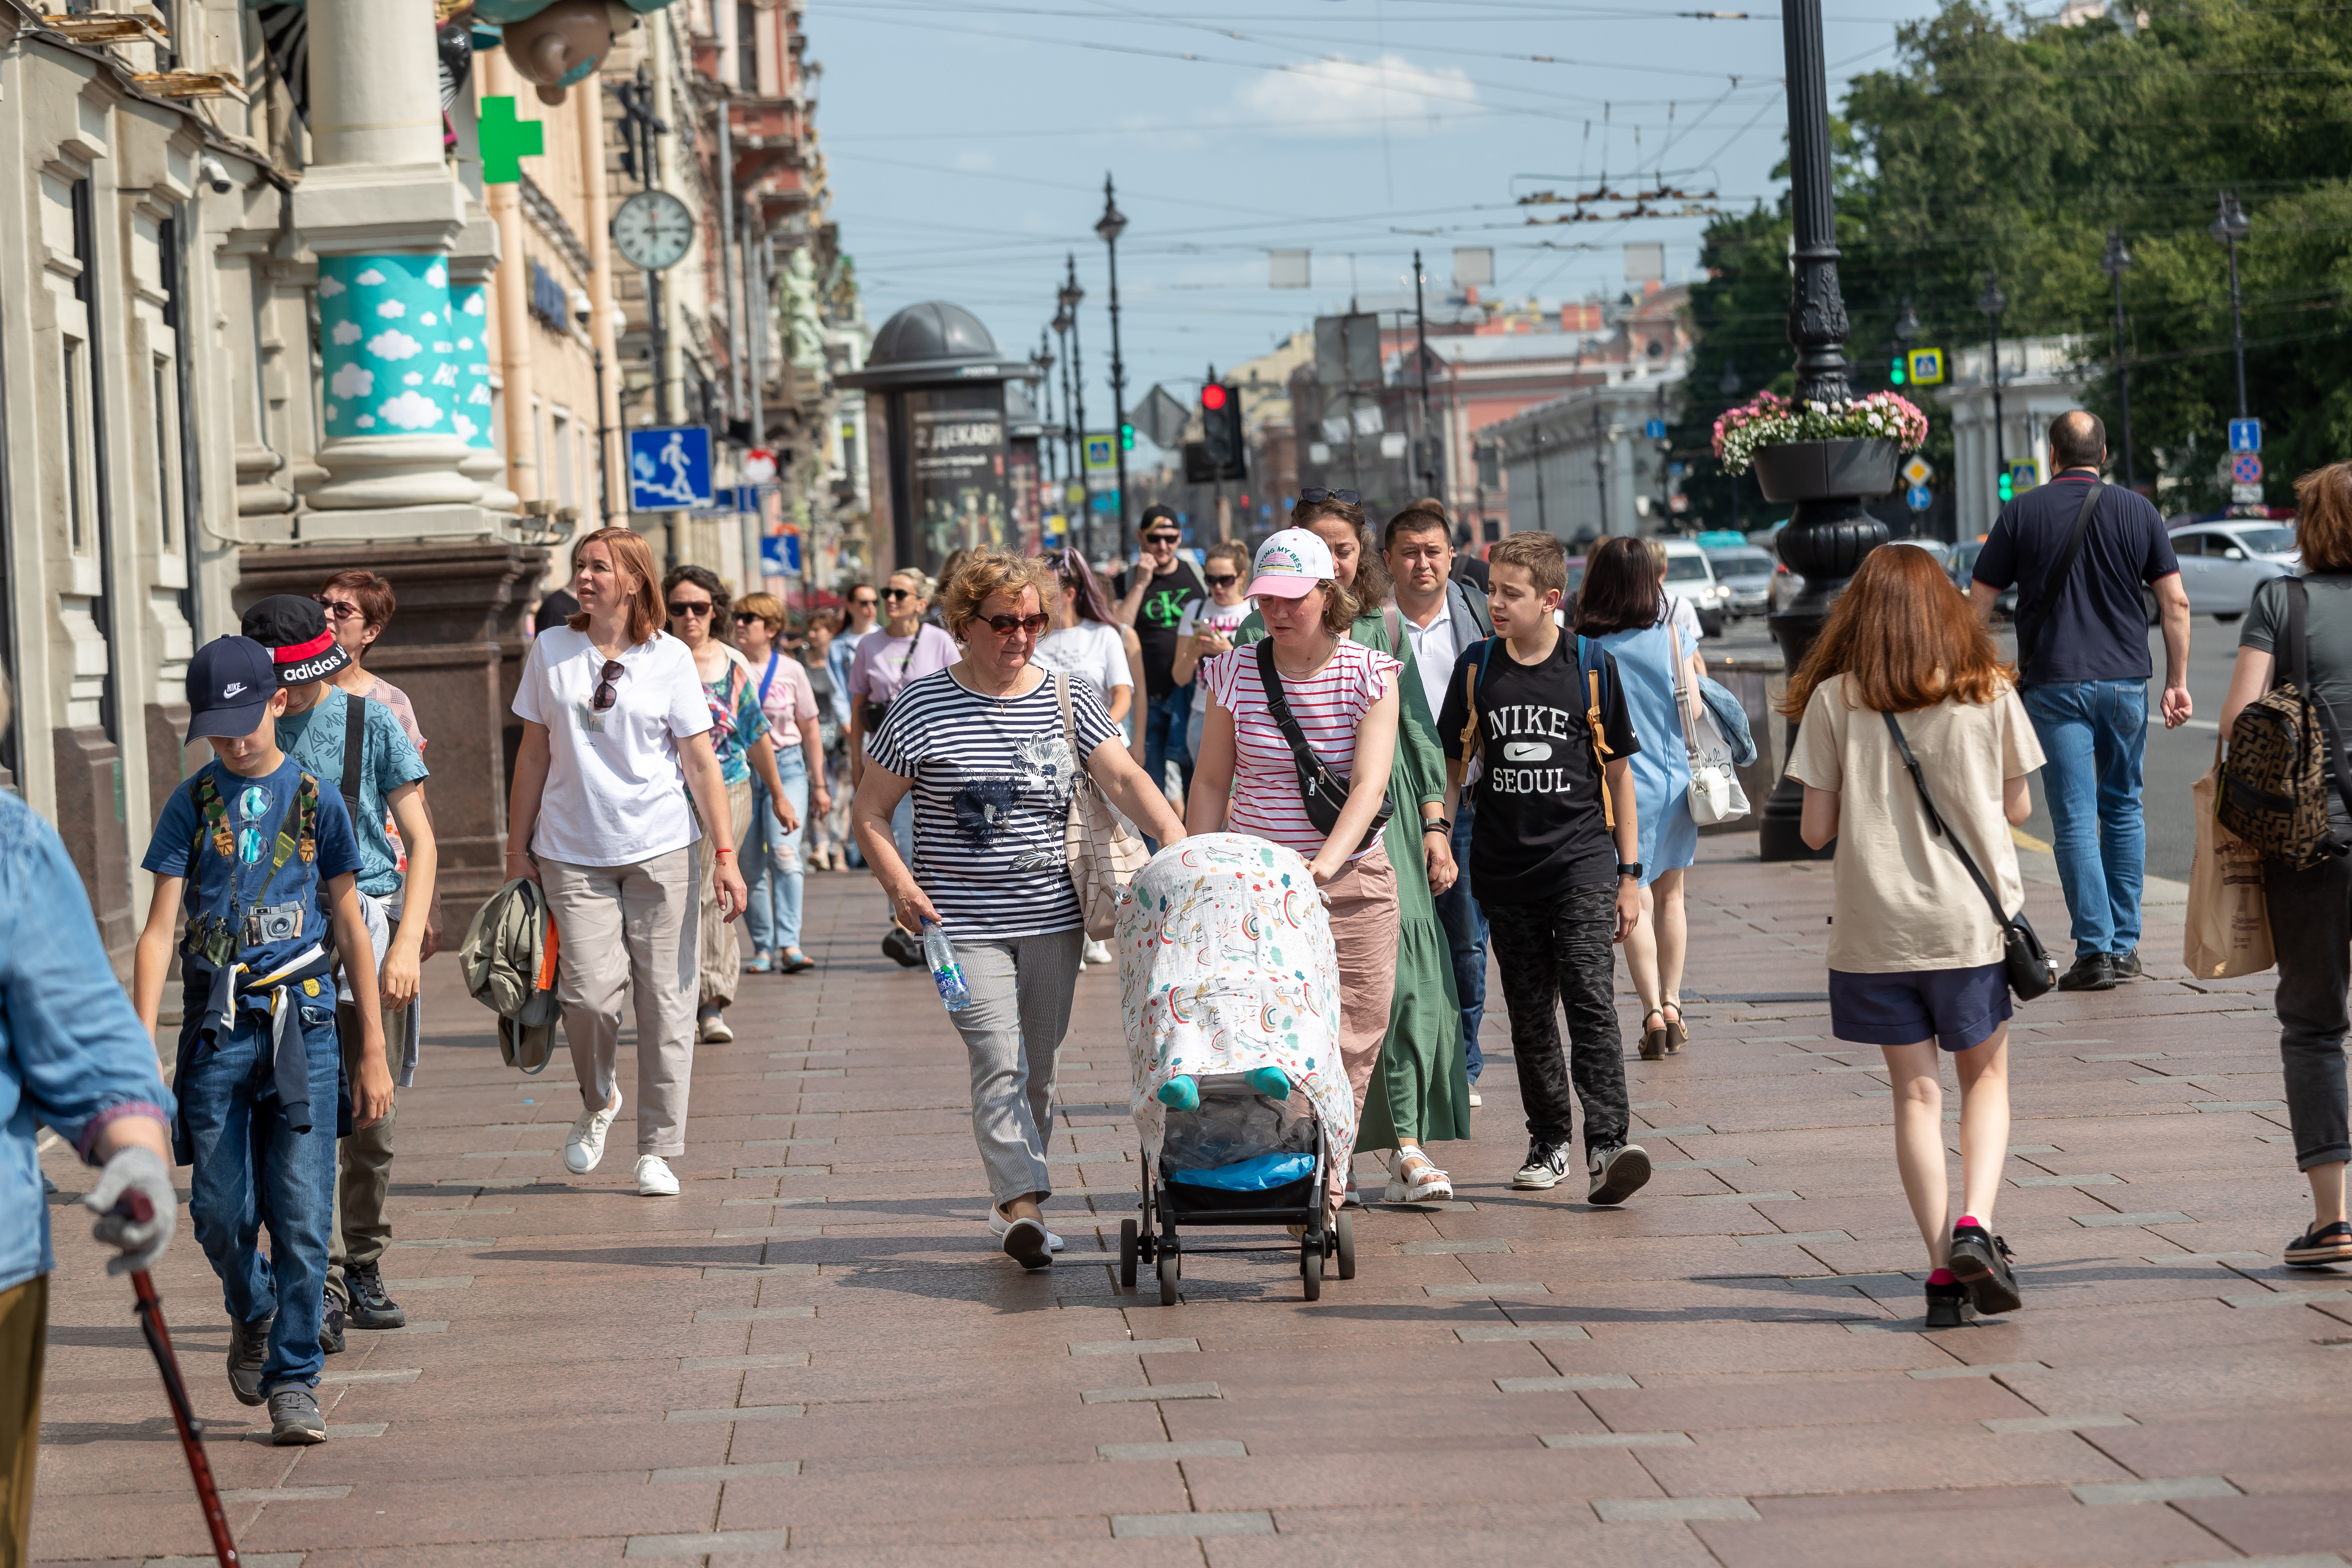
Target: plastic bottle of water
947,974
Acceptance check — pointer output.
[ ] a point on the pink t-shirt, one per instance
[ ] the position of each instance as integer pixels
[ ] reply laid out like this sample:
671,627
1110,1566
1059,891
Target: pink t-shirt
884,665
1329,706
790,699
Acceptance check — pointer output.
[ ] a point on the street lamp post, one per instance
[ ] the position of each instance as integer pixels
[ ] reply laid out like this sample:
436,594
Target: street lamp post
1992,302
1109,227
2116,261
2229,229
1072,296
1534,437
1044,359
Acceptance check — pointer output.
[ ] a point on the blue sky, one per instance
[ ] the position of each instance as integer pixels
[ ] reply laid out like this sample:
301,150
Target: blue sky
968,139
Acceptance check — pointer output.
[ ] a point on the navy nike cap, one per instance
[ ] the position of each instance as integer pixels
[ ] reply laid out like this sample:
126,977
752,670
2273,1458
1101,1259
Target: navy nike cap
230,682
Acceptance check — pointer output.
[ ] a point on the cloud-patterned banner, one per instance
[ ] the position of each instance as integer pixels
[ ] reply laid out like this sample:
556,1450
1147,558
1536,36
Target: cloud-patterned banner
471,359
385,378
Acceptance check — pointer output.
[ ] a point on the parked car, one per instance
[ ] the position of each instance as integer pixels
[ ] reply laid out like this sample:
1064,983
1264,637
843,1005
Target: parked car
2222,563
1689,574
1964,566
1747,572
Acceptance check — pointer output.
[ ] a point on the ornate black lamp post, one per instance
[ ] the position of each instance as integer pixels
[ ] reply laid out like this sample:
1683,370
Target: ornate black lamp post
1830,531
2115,264
1729,386
1110,226
1071,297
2229,228
1044,359
1992,302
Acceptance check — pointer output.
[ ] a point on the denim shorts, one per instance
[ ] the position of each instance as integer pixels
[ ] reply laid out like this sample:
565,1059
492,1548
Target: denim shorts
1960,1007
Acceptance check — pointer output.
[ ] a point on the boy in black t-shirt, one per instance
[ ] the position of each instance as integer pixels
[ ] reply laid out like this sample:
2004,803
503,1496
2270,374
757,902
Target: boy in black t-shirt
1551,855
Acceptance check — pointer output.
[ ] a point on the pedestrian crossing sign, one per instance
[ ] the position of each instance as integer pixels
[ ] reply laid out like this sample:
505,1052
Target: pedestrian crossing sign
1926,367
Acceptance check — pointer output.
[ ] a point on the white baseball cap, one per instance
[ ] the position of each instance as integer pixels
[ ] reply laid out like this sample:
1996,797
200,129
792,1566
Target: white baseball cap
1290,563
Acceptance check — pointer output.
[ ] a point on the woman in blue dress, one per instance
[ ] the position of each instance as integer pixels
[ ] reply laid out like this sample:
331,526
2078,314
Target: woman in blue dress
1622,609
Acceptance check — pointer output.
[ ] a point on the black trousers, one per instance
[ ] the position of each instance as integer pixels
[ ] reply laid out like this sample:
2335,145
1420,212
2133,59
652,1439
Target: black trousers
2311,930
1554,956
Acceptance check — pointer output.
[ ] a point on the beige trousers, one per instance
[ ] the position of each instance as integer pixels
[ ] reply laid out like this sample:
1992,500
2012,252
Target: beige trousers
24,1337
718,952
1363,915
634,928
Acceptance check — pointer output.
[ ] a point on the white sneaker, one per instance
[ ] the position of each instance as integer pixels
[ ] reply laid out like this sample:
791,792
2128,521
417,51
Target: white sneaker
654,1178
714,1031
585,1147
1475,1102
1096,953
998,1224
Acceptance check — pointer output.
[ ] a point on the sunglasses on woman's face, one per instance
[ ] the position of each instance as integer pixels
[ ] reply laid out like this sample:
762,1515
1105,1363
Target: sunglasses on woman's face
689,608
1005,626
895,594
1227,581
340,609
606,695
1317,493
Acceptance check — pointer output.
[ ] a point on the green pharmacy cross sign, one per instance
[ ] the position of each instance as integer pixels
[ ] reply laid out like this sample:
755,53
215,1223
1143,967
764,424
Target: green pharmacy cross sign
507,140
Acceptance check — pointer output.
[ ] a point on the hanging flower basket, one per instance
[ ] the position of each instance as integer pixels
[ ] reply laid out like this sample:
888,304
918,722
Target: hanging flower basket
1797,447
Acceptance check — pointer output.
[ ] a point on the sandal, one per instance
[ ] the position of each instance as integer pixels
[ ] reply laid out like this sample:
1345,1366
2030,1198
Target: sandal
1426,1185
1654,1041
1677,1036
2320,1246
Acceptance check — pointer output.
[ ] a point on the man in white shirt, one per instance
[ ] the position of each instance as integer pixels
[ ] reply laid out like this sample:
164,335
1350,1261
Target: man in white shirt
1441,617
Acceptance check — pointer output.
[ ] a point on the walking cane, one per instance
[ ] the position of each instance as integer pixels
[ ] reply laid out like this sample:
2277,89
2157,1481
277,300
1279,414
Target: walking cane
136,1206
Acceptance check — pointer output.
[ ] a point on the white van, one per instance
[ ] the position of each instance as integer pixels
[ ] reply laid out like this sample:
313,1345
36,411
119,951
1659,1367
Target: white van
1692,576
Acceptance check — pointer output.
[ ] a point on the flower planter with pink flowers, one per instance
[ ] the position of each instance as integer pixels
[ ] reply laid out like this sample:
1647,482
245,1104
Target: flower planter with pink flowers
1819,451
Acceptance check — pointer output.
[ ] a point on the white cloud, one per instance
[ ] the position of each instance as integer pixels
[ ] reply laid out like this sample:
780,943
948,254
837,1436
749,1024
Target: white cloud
333,413
427,320
435,277
365,421
346,333
329,287
392,310
473,306
369,278
413,378
411,410
466,343
394,344
352,380
1352,98
464,427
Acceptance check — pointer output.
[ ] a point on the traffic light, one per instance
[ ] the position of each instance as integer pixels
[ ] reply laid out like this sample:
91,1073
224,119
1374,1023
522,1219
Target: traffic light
1224,444
1898,370
1126,438
2008,488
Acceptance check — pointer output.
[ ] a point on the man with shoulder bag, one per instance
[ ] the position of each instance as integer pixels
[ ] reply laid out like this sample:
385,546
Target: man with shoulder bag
2083,555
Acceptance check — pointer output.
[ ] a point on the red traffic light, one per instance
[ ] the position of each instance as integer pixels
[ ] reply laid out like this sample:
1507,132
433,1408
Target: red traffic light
1212,397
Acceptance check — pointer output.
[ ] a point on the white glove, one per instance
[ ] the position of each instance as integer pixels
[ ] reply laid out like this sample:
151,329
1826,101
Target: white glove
140,1170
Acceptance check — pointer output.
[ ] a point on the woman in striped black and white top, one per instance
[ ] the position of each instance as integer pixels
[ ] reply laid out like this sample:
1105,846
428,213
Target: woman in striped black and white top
1345,698
982,747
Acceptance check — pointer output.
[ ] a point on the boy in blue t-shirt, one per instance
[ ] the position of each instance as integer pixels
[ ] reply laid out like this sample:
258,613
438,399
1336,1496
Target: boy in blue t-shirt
264,859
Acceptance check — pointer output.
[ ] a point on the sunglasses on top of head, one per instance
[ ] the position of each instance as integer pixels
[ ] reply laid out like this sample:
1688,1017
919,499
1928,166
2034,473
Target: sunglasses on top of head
1317,493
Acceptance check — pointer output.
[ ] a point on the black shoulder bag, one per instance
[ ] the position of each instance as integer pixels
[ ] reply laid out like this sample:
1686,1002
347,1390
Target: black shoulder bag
2029,633
2030,970
1323,791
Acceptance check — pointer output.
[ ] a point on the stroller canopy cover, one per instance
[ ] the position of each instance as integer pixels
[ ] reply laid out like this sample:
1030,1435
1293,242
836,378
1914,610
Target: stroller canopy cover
1225,966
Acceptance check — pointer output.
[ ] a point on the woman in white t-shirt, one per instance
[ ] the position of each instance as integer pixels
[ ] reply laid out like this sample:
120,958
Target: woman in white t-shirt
1344,699
1208,626
615,737
1915,952
1086,643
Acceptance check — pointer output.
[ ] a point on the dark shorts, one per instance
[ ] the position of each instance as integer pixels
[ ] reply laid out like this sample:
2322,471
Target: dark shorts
1961,1007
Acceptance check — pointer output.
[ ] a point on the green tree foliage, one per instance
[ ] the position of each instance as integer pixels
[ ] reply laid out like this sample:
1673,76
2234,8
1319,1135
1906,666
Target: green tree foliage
2014,145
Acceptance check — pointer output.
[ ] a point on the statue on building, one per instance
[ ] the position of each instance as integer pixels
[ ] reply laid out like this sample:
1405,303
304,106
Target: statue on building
803,332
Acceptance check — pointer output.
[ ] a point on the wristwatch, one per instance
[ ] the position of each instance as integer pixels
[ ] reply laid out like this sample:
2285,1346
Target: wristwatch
1632,869
1436,825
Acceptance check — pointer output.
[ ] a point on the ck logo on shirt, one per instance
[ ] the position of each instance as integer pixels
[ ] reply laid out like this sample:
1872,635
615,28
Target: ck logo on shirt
1165,608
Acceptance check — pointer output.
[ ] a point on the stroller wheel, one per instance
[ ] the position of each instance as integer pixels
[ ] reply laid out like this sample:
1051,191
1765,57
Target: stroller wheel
1127,1250
1310,1270
1344,1229
1168,1269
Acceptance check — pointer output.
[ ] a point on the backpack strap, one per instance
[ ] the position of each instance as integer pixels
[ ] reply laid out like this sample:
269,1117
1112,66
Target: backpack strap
1389,624
1473,681
1590,662
355,729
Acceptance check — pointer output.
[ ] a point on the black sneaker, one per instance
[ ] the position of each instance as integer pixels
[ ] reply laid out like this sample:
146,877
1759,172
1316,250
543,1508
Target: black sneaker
1547,1163
294,1417
1980,1262
1617,1172
2092,971
371,1308
248,1347
903,949
2126,964
1949,1306
331,1324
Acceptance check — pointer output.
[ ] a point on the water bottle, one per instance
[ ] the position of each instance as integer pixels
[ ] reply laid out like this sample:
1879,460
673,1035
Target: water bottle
946,972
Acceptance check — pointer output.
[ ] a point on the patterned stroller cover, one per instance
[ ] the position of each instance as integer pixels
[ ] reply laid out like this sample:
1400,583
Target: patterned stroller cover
1226,965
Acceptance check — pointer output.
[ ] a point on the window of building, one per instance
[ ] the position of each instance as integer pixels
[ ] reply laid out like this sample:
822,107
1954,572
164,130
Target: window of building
747,45
567,469
77,441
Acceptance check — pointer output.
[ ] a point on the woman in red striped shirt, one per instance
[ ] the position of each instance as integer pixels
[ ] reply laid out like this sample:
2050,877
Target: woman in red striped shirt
1344,697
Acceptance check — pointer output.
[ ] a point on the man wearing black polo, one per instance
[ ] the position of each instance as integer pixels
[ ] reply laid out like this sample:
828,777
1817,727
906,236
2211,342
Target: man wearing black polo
1152,596
2084,668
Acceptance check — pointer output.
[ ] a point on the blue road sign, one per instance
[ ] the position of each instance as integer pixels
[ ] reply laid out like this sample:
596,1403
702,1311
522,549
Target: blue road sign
1919,498
1656,429
2245,435
780,555
669,468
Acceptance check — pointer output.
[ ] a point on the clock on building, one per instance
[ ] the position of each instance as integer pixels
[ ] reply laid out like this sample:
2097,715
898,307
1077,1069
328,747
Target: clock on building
654,230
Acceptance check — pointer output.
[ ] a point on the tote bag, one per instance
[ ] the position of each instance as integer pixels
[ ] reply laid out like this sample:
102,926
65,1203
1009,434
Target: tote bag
1715,792
1103,856
2227,930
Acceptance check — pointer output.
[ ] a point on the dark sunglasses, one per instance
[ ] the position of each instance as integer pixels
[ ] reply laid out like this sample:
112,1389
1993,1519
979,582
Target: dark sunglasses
1317,493
863,603
685,608
745,618
1163,539
337,608
606,695
1005,626
1227,581
895,594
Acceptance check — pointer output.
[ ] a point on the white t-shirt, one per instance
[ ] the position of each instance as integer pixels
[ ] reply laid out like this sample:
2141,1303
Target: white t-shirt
616,793
1089,652
1434,649
1222,619
1329,706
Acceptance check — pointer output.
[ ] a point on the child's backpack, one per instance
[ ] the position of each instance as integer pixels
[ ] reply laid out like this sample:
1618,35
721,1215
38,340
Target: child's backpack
2273,791
1589,661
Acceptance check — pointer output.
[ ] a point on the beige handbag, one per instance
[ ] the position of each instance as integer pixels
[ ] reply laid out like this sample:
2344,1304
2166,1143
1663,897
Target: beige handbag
1103,856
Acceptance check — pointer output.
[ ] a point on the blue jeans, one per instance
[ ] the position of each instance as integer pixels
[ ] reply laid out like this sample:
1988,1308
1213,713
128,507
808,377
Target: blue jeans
1465,933
2095,734
250,1171
1166,719
771,859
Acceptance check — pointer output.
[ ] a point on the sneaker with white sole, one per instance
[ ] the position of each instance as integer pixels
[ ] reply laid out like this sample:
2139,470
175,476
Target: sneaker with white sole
585,1148
294,1418
714,1029
1475,1102
1547,1163
1096,952
998,1224
654,1178
1618,1173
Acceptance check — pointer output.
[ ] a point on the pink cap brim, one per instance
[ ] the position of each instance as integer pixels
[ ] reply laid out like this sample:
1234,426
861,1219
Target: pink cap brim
1282,585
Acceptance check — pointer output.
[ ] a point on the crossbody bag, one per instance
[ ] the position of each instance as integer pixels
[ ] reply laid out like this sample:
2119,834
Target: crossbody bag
1324,792
2029,632
2030,968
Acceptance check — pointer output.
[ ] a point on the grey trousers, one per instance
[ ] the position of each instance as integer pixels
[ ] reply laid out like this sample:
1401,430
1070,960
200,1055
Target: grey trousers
363,1159
630,928
1013,1029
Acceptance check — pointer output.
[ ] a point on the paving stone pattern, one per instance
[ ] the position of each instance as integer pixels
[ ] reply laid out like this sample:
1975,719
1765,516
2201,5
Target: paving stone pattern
816,1354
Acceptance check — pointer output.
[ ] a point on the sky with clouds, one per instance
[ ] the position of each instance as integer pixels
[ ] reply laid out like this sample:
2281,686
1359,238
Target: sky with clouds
967,142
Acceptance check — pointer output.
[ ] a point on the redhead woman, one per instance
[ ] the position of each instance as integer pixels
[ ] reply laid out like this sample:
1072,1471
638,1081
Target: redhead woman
616,736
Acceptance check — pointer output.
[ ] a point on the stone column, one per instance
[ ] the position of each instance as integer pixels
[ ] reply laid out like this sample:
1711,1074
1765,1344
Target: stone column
378,208
471,265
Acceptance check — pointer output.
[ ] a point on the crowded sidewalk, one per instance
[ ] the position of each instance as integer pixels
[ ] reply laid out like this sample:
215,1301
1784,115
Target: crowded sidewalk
817,1352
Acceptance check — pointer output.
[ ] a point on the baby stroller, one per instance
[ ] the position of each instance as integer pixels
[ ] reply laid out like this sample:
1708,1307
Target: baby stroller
1231,1000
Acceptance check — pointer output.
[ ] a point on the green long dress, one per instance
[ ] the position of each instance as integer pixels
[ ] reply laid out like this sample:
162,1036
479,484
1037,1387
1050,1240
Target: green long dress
1421,1088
